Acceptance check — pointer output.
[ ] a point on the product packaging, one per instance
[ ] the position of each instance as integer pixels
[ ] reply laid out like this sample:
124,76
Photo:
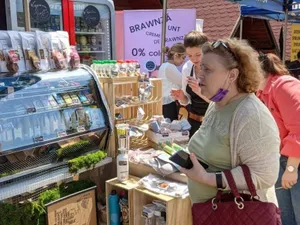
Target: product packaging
5,44
16,43
75,59
58,61
43,46
63,37
29,48
12,60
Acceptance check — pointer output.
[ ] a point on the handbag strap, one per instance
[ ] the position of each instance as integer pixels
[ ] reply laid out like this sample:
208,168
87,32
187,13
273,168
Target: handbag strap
249,180
231,183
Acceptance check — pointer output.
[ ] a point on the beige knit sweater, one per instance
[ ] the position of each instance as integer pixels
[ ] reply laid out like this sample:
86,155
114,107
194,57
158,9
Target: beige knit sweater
255,142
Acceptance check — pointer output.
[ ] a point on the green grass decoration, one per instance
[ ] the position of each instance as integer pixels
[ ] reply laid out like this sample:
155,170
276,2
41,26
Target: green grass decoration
33,213
86,161
74,150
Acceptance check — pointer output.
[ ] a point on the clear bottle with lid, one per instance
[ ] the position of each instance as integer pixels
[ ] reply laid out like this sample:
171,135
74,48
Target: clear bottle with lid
123,68
131,67
104,68
114,68
137,67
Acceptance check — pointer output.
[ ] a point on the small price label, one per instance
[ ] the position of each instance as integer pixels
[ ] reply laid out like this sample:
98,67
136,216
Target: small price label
165,134
75,101
10,92
31,110
38,139
80,129
62,133
185,133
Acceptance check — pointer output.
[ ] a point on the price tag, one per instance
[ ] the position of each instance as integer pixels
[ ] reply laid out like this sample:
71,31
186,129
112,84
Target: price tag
10,92
185,133
62,133
80,129
38,139
2,84
31,110
165,134
75,101
7,126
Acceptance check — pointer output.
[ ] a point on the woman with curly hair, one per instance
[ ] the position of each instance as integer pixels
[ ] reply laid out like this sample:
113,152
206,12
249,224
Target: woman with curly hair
281,94
237,128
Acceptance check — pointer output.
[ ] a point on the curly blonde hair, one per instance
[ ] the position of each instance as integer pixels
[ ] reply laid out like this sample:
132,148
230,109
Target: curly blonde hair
239,54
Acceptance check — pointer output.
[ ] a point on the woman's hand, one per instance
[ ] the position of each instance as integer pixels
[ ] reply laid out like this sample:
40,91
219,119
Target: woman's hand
178,94
194,84
289,179
197,173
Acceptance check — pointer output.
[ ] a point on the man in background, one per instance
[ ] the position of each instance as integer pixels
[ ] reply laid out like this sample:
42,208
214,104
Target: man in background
294,67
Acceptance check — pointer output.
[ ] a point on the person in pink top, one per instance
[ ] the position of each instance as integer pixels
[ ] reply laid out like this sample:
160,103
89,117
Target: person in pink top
280,92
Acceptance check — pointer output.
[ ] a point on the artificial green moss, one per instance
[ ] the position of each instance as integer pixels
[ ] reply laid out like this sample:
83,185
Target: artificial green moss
74,150
86,161
9,174
33,213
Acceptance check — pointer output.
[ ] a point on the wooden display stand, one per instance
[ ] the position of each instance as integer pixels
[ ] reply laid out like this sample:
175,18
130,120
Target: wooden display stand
178,210
128,86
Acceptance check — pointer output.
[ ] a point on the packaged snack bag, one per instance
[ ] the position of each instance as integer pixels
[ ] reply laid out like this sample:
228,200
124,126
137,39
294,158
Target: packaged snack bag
16,43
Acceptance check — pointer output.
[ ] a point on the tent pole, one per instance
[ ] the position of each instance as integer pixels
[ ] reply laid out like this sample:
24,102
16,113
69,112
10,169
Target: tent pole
241,27
163,32
285,33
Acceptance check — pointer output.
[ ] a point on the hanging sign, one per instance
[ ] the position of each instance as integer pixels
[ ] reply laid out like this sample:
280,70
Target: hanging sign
91,16
39,11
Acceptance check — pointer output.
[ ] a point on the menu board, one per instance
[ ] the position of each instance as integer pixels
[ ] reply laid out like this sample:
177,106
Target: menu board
76,209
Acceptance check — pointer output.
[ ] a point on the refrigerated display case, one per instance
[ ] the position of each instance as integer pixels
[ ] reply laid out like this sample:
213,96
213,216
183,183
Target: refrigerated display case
53,21
42,113
94,29
90,24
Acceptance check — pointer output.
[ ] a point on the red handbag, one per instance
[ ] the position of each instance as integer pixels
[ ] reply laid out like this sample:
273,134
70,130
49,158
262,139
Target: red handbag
236,209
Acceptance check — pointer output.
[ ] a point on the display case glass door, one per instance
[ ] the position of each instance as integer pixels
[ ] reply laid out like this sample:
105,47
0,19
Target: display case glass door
46,15
93,31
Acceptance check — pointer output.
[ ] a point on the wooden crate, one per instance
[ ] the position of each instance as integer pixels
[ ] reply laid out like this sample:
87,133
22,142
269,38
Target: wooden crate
122,86
128,186
178,210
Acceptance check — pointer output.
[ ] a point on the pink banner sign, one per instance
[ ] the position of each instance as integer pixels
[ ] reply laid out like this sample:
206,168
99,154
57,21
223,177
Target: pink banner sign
143,29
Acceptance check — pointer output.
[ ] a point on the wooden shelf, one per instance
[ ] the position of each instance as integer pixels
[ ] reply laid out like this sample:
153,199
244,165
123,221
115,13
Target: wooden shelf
88,33
138,104
178,210
118,80
82,52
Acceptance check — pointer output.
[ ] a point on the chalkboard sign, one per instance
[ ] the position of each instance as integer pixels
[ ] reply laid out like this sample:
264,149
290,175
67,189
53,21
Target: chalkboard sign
39,11
91,16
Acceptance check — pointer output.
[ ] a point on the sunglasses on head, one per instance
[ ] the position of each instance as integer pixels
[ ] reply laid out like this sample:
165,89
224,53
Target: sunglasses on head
217,44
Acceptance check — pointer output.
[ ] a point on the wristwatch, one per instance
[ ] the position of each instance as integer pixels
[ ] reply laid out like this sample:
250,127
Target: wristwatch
291,169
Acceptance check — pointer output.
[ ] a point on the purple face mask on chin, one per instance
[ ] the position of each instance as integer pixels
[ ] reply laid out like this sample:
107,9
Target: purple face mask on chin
219,95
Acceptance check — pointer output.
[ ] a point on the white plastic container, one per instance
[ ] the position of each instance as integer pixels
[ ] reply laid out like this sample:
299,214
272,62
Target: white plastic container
123,165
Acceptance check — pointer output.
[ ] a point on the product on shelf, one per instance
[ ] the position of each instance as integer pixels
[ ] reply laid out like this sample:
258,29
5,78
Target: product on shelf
29,48
116,68
114,208
74,149
86,161
5,44
122,165
43,48
59,100
16,42
12,61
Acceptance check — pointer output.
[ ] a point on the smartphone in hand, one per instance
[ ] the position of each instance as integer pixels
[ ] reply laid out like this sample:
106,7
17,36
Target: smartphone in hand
182,159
